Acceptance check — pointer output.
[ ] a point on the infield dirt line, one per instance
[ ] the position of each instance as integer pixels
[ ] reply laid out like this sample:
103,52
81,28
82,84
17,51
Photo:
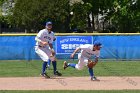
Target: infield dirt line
69,83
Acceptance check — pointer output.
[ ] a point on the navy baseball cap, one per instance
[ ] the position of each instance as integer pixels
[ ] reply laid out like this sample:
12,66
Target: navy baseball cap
48,23
97,43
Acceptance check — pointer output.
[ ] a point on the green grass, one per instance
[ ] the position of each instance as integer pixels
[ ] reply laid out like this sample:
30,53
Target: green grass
33,68
77,91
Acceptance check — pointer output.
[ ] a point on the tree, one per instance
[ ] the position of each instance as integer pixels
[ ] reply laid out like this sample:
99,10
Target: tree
126,15
96,8
121,15
116,15
1,17
1,2
32,14
78,18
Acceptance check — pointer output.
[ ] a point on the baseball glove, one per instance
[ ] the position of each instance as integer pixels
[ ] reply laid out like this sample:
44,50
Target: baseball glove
91,64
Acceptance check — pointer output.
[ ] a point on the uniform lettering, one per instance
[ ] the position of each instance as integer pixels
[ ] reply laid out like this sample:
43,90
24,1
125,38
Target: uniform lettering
47,37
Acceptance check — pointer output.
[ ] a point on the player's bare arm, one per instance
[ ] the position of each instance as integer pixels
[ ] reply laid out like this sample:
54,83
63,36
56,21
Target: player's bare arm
76,50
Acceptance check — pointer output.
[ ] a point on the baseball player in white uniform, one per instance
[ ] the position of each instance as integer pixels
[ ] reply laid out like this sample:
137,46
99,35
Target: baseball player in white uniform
44,49
86,51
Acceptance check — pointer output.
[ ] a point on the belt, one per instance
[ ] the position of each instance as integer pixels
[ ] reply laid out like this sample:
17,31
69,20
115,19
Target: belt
41,46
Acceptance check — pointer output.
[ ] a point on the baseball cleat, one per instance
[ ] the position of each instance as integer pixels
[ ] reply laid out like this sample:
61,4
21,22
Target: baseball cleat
65,65
94,79
57,73
45,75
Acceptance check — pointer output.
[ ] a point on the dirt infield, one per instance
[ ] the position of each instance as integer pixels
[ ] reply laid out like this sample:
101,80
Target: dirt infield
69,83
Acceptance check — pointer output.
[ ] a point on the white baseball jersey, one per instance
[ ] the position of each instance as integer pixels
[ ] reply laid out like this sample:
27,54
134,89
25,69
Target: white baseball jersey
87,51
85,54
43,51
45,36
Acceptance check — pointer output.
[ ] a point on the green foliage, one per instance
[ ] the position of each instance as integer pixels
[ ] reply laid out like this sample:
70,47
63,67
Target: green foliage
126,17
123,15
79,14
32,14
1,2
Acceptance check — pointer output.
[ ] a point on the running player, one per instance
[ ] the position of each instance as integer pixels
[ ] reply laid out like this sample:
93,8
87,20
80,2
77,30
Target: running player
86,51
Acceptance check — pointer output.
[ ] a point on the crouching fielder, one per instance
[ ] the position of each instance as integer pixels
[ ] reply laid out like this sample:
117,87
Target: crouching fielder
86,51
45,50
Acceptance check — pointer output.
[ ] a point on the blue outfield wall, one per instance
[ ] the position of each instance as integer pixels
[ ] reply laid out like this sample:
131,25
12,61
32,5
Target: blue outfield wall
114,47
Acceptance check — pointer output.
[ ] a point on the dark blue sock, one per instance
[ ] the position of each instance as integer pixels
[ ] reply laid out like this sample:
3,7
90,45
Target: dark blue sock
72,65
91,72
44,67
54,66
49,62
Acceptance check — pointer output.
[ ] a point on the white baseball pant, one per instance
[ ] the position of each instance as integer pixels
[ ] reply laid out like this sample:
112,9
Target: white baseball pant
83,61
44,53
